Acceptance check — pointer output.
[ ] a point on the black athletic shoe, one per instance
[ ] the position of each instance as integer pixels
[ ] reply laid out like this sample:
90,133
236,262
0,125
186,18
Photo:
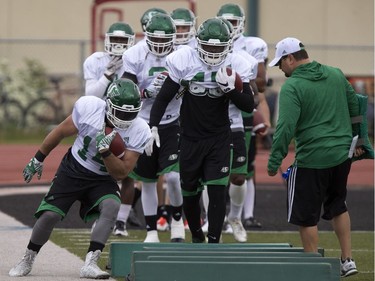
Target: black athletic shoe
251,223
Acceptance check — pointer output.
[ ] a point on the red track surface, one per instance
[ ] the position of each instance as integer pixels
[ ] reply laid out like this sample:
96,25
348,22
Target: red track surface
15,157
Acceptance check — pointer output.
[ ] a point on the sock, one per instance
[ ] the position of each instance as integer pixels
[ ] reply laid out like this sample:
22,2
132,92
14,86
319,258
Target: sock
216,212
123,213
137,195
237,195
248,208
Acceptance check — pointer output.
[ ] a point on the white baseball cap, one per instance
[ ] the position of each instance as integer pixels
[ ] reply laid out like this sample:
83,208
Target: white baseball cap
285,47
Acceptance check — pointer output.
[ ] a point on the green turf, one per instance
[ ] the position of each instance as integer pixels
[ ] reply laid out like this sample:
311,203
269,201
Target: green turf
77,241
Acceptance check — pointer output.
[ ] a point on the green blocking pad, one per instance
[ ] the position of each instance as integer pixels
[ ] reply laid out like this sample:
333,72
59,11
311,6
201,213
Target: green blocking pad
258,257
225,271
120,252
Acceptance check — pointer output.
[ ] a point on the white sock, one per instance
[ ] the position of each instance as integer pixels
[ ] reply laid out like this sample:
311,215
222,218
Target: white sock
205,200
123,213
248,207
237,197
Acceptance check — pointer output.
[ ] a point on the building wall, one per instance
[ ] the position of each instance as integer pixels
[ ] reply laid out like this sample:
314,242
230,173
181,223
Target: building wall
336,32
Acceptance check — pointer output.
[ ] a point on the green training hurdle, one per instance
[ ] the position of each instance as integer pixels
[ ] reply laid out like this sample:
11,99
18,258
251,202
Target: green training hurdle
225,271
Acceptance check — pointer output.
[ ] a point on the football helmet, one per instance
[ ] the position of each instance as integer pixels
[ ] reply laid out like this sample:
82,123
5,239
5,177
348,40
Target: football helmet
185,20
235,14
119,37
214,41
147,15
231,30
123,103
160,34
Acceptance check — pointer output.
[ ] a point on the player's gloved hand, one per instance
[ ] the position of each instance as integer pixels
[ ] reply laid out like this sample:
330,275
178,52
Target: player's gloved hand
226,82
154,138
32,168
114,64
155,86
103,141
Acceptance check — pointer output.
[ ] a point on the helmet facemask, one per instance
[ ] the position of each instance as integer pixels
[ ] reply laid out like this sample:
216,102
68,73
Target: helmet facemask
213,52
159,43
185,32
119,37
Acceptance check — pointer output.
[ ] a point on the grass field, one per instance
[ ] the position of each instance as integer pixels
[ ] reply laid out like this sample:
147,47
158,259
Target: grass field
76,241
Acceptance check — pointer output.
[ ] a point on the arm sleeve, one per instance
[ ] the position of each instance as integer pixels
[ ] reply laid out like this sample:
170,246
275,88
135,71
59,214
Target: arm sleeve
243,101
166,94
96,87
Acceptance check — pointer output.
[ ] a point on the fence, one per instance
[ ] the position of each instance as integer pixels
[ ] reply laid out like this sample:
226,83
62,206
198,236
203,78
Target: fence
64,59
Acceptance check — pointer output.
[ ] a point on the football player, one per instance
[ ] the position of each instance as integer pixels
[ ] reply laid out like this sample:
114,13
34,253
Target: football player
185,22
257,48
145,65
99,70
205,142
89,171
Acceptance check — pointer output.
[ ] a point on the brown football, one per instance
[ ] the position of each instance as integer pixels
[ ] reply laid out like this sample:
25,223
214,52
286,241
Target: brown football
117,146
238,82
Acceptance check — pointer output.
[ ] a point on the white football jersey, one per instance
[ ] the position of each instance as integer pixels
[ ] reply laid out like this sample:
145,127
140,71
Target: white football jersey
138,60
93,72
88,117
184,65
235,115
254,46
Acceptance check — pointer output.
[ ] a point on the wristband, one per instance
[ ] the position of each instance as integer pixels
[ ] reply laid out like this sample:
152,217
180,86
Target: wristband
105,154
40,156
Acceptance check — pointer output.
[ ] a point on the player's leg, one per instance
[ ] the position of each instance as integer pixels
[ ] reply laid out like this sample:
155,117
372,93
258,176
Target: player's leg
216,172
168,165
191,161
163,210
47,219
249,204
100,199
237,186
127,197
175,197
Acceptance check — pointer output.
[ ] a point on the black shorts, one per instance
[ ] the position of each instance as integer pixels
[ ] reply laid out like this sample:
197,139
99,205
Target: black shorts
73,182
205,162
309,189
239,161
163,159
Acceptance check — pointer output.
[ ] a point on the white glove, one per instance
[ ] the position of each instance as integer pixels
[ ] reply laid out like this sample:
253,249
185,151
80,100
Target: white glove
33,167
226,82
154,137
155,86
103,141
114,64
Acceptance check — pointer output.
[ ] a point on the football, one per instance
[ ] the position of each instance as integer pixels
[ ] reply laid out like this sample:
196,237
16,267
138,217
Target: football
258,123
117,146
238,82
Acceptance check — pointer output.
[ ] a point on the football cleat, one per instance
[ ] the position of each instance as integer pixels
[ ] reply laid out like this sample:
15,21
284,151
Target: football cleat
120,229
348,267
152,237
162,224
239,231
90,269
25,265
177,231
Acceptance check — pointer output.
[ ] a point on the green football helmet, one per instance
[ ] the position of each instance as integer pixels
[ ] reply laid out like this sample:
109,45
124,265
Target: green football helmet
147,15
214,41
235,14
123,103
160,34
184,19
119,37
